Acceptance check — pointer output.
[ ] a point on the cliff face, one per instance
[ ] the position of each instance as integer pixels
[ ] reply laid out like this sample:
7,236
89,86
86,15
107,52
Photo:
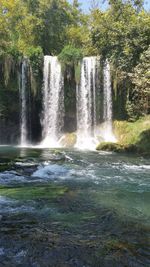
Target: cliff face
10,105
9,111
10,102
9,132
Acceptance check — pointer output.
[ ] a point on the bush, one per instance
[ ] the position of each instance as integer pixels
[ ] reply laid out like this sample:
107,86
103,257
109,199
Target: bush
70,56
35,55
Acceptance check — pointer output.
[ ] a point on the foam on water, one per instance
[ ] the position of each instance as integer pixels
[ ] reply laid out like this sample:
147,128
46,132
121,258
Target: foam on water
50,171
2,251
5,200
16,210
12,206
49,142
26,164
86,143
9,177
136,168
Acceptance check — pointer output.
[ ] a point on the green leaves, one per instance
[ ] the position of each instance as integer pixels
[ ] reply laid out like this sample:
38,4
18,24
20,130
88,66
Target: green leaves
141,80
70,55
35,56
33,28
121,33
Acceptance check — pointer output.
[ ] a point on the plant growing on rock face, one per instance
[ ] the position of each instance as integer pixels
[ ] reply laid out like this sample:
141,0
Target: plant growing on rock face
70,58
70,55
35,56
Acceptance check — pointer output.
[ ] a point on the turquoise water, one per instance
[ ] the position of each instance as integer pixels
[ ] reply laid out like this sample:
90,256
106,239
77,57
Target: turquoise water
73,208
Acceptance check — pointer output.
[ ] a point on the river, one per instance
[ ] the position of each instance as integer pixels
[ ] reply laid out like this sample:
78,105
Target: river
73,208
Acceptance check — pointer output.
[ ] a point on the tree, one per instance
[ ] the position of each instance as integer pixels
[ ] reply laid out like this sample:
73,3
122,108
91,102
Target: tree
121,33
141,81
19,26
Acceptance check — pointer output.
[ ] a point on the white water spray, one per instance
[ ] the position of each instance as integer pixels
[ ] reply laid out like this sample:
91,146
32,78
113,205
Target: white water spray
86,106
23,99
107,131
53,102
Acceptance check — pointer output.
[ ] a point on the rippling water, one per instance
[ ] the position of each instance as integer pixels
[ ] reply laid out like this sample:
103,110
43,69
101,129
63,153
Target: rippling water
72,208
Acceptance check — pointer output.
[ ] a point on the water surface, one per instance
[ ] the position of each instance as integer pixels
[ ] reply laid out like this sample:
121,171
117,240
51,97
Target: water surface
72,208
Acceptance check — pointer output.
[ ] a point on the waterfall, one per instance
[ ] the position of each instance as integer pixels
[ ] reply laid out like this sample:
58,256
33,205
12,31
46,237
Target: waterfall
107,131
86,104
53,102
23,100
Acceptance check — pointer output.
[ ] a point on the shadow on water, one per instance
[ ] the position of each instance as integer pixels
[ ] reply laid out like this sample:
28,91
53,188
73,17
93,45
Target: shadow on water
72,208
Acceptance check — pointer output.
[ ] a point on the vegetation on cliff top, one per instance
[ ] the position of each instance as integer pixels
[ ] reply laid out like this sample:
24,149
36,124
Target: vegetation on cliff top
121,33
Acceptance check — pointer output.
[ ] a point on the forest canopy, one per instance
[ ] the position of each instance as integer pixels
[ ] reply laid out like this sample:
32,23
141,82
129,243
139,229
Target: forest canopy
121,33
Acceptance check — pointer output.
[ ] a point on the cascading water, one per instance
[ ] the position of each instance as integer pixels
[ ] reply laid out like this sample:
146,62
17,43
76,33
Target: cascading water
53,102
23,99
86,106
107,131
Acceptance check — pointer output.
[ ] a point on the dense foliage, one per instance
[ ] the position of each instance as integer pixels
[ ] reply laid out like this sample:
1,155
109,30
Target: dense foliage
70,55
31,28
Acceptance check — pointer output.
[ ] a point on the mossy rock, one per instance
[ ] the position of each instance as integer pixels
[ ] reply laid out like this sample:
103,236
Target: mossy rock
109,146
69,140
132,148
116,147
49,192
130,132
143,143
133,137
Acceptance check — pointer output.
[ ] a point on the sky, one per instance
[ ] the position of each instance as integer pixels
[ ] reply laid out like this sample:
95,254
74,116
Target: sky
85,4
